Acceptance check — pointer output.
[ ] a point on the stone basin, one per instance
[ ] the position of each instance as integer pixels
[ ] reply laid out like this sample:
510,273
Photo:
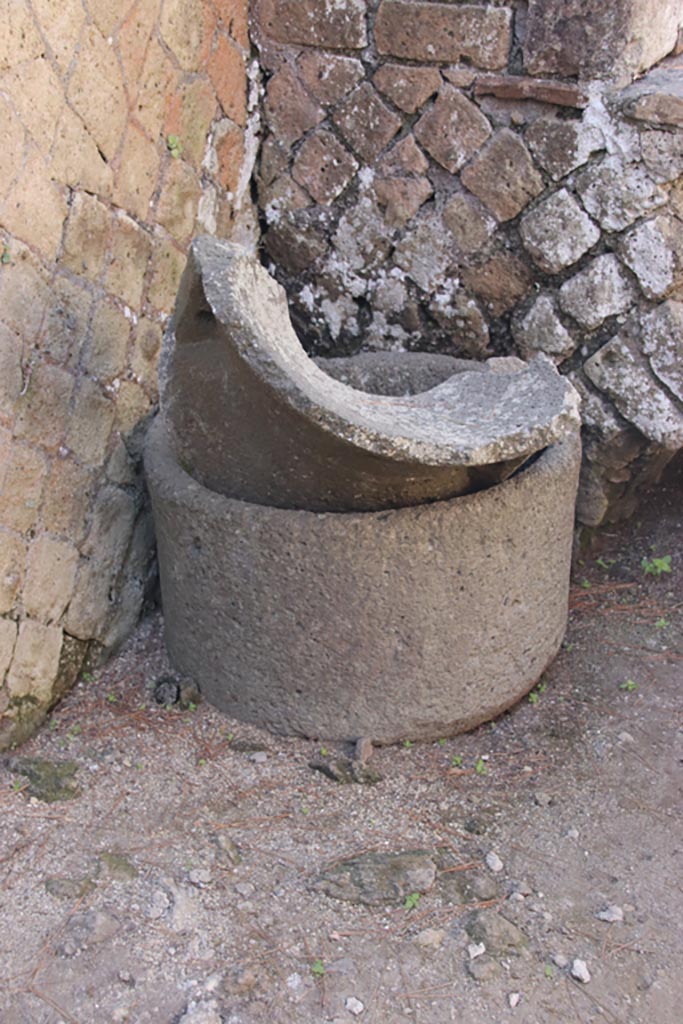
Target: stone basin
324,572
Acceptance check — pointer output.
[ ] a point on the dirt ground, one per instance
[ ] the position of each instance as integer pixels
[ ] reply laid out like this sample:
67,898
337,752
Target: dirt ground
197,869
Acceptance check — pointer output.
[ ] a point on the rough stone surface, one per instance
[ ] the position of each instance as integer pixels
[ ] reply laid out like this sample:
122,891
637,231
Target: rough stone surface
656,98
444,32
599,291
407,87
621,370
541,330
329,78
557,232
654,252
324,167
662,332
469,225
365,122
616,194
503,176
305,426
316,22
453,130
562,146
372,679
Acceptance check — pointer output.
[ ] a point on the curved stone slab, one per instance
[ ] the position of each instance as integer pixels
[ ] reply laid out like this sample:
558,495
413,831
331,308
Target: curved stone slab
412,622
250,416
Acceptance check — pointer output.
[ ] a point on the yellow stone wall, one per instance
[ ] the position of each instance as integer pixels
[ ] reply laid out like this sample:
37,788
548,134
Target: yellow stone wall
124,132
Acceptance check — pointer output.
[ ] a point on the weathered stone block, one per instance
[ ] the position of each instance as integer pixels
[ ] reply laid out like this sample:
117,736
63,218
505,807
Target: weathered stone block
402,198
189,115
469,225
8,639
12,566
324,167
425,253
455,310
186,27
38,98
145,351
654,252
34,209
11,375
562,146
233,14
557,232
662,154
281,198
167,264
616,194
289,110
138,174
130,250
24,292
132,405
20,40
500,283
656,98
541,330
86,237
228,76
444,32
662,334
621,370
324,23
76,160
90,423
365,122
158,80
22,476
133,41
68,490
408,88
328,78
35,663
42,410
97,93
503,176
177,204
106,353
66,322
50,578
405,159
599,291
453,130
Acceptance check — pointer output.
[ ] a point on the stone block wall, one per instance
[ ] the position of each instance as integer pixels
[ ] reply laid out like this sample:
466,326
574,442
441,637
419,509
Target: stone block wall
488,178
125,131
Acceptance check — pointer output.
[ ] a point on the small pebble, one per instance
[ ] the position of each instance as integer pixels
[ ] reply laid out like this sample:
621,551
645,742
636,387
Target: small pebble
625,737
430,938
364,748
260,757
517,897
514,999
354,1005
560,961
573,833
611,914
543,799
580,971
200,876
476,949
493,862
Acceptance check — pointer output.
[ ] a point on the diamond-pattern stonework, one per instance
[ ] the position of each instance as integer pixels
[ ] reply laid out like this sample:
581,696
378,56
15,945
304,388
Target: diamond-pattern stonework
366,123
557,232
453,130
503,176
407,87
323,167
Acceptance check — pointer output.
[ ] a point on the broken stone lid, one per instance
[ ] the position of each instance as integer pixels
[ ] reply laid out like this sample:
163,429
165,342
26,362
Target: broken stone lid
252,417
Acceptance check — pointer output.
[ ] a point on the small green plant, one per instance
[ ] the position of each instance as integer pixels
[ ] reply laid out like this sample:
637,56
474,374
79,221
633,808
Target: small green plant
88,677
112,698
318,968
548,971
411,901
480,766
629,686
407,744
605,563
201,762
191,706
324,752
174,145
533,697
74,731
6,256
305,810
661,624
656,566
456,761
441,742
586,584
16,785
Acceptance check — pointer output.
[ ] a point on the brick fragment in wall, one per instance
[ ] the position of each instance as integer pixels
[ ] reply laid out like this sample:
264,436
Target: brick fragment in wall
186,27
500,283
105,353
469,225
67,495
25,293
289,110
190,112
405,159
138,173
50,578
662,334
230,154
176,209
442,32
323,166
402,198
657,97
562,146
36,661
327,77
453,130
76,161
621,370
616,194
408,88
598,291
541,330
273,160
129,253
321,23
35,208
365,122
503,176
13,552
654,252
557,232
517,87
